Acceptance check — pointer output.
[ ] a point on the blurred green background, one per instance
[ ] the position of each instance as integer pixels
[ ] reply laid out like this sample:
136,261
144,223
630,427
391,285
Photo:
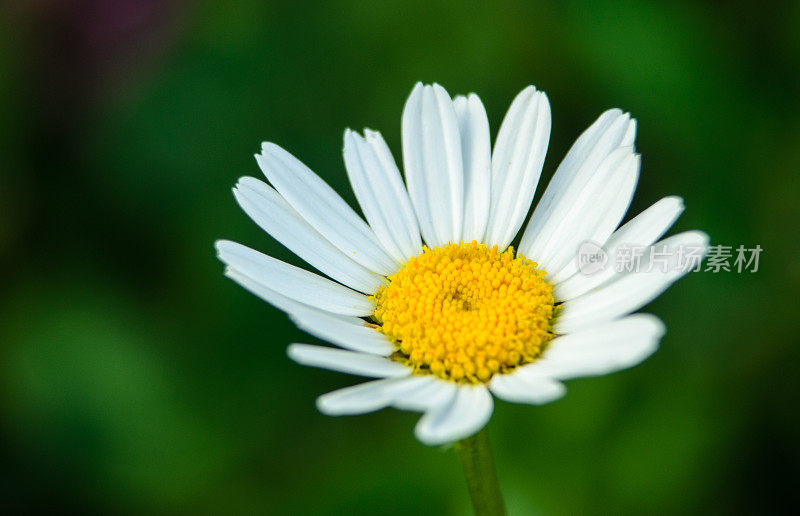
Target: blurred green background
134,378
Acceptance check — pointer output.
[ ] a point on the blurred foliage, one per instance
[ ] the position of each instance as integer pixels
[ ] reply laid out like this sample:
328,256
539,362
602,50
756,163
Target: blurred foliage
135,378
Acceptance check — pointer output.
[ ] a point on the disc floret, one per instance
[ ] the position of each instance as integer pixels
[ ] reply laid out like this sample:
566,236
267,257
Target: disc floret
465,312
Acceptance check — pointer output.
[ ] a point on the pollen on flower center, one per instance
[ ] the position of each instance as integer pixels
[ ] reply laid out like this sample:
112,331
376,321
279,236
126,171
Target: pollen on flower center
465,312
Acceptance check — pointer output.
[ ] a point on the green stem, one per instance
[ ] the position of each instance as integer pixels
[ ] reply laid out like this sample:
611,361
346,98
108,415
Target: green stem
484,490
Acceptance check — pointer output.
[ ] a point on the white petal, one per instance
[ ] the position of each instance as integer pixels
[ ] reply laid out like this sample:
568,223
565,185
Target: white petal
629,138
279,301
432,160
598,350
518,388
649,225
346,361
627,292
282,302
424,393
358,399
293,282
517,162
402,392
380,191
274,215
610,131
476,151
467,412
640,231
417,393
324,209
595,213
343,333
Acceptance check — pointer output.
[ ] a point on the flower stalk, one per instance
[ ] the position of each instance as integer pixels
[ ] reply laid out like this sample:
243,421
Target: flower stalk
479,469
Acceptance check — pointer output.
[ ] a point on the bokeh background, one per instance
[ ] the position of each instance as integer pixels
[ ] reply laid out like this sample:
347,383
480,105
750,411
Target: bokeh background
135,379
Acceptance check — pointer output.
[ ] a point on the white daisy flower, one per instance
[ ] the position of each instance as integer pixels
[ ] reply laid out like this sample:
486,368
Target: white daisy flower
445,325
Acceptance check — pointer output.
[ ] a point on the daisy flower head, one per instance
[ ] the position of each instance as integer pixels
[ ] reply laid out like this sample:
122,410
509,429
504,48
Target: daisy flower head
427,297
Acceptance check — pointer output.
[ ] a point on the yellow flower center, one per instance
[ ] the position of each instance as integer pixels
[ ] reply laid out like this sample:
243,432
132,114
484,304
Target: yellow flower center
464,312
